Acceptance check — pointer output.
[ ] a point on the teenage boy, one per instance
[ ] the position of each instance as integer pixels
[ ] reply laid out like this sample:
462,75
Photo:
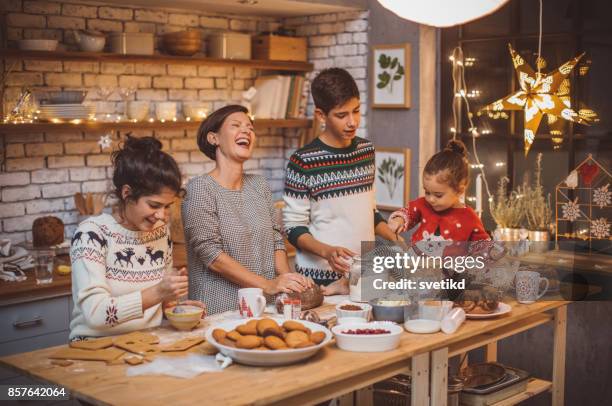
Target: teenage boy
329,187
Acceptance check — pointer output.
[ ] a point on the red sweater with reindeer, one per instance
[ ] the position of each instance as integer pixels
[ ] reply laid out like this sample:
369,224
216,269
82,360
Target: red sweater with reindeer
110,267
454,226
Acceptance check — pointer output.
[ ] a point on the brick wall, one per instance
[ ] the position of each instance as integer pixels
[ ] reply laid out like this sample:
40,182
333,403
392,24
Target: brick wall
41,172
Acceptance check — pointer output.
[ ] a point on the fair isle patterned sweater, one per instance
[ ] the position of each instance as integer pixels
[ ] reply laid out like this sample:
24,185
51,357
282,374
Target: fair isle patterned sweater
110,267
329,193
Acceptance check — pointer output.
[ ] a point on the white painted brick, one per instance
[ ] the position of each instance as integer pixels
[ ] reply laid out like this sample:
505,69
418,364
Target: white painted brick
24,164
14,179
67,23
115,13
220,83
43,66
292,21
44,149
60,190
270,141
24,20
50,176
11,210
116,68
131,26
193,169
344,38
323,18
353,15
184,144
182,70
168,82
105,25
98,160
322,40
268,26
198,156
307,30
182,94
199,83
356,25
150,69
180,157
82,147
320,64
243,25
152,95
63,79
357,73
212,71
351,61
44,206
213,22
97,186
19,223
331,28
79,10
16,194
89,67
14,34
135,81
14,151
153,16
164,29
362,49
11,5
244,73
83,174
186,20
169,134
41,7
63,137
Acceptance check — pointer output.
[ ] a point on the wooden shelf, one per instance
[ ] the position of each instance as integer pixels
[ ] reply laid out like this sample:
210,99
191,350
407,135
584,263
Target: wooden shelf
155,59
144,125
534,387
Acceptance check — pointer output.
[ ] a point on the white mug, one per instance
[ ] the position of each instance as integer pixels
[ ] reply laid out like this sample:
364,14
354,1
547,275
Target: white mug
165,110
527,284
251,302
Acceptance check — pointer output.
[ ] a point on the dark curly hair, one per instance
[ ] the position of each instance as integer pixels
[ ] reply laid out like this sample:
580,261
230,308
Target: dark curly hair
451,163
332,88
145,168
213,123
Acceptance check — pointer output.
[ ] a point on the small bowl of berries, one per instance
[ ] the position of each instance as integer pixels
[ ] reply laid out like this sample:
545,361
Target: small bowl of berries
376,336
350,309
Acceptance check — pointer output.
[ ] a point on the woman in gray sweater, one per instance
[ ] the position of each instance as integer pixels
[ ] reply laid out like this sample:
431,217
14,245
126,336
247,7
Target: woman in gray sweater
233,240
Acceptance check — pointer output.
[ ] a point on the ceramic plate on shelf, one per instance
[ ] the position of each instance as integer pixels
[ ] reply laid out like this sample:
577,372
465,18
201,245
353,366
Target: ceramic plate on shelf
502,308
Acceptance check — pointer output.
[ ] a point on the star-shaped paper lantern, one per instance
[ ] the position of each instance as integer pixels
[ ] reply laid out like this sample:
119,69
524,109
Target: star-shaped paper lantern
537,96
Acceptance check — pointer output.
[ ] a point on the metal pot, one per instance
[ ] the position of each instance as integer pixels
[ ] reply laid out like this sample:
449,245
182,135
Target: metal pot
510,234
540,241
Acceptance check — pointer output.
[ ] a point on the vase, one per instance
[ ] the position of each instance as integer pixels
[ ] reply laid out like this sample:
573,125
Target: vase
540,241
509,234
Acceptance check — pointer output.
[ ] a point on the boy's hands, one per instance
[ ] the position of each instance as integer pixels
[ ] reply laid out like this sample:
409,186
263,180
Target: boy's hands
396,224
339,259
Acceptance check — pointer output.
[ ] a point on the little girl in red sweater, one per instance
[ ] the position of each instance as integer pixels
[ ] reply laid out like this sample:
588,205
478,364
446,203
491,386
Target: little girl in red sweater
441,216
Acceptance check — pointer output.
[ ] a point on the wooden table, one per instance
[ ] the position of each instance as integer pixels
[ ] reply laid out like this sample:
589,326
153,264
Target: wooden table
330,373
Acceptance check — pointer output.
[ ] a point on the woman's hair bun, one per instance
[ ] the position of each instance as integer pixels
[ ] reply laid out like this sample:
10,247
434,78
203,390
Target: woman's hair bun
144,145
457,147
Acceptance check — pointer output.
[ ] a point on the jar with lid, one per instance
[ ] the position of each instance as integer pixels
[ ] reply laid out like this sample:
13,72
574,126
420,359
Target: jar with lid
355,279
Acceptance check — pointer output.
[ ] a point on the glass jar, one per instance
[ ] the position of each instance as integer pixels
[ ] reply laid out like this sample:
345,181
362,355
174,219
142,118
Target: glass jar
355,279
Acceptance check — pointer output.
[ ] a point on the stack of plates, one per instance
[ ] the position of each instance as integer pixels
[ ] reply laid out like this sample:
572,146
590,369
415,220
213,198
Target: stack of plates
64,112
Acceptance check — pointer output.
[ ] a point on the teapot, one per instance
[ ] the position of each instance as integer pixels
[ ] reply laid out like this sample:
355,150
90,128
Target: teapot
90,41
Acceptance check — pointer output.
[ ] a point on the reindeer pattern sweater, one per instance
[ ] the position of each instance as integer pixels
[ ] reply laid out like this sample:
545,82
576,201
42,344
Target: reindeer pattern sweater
110,267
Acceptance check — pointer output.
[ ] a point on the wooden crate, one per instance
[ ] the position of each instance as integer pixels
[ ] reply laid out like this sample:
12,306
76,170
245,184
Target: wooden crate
274,47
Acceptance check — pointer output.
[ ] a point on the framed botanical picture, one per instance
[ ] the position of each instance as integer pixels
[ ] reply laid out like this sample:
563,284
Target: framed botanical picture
390,73
392,178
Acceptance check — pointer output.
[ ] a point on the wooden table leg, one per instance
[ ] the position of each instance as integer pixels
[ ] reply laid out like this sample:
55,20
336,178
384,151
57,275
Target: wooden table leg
420,380
365,396
346,400
558,382
439,377
491,352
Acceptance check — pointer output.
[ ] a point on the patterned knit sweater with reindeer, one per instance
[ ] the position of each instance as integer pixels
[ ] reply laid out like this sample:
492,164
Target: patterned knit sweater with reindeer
110,267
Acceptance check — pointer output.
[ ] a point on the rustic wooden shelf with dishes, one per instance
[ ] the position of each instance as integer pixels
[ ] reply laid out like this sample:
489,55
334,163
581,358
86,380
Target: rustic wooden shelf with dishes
156,59
21,128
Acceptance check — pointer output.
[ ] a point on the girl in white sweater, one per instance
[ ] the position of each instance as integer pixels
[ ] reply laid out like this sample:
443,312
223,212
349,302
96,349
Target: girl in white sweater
122,262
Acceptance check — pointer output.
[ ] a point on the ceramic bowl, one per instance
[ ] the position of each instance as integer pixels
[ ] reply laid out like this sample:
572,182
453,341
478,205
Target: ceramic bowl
138,110
187,320
165,110
363,312
195,110
368,342
37,44
389,310
351,320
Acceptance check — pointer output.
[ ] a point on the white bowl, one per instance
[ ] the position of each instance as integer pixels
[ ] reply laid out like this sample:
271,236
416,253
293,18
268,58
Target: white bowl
195,110
37,44
267,358
368,343
138,110
165,110
422,326
364,312
351,320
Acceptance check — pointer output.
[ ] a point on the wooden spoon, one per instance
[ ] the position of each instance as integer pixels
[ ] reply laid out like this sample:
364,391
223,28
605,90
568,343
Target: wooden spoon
79,202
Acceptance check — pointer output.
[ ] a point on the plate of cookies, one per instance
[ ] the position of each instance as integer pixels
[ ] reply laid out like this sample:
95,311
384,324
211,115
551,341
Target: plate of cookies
268,341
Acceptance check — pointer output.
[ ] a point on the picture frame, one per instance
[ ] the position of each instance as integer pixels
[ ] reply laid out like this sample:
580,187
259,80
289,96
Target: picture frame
390,73
392,183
